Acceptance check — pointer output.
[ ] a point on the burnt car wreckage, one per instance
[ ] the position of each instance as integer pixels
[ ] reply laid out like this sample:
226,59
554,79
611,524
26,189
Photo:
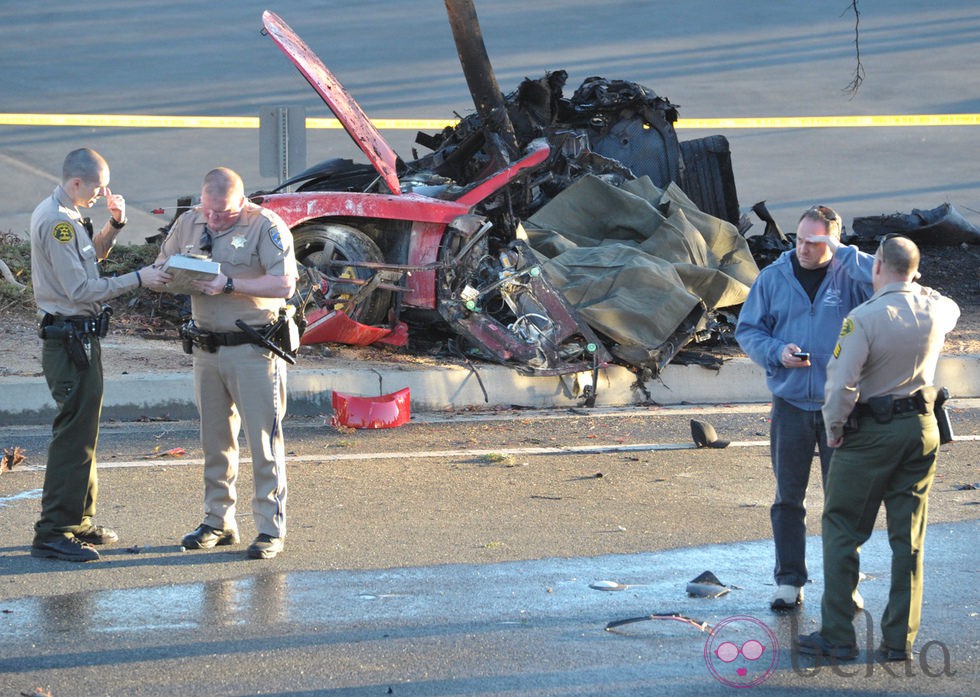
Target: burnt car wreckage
439,242
483,240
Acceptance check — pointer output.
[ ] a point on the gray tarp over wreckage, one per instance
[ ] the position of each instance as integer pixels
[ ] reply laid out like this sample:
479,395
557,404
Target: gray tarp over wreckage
641,265
619,210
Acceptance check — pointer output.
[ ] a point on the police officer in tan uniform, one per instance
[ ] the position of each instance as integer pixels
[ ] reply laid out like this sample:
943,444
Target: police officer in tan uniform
65,252
879,414
235,379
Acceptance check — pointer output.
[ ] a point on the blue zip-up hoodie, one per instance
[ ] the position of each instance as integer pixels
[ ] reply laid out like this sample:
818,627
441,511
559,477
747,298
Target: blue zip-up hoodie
778,311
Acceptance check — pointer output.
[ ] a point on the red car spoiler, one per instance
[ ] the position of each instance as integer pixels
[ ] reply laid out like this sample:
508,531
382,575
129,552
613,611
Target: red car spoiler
341,103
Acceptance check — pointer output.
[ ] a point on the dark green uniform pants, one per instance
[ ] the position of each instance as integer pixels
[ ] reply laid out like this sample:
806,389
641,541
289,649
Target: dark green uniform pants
70,481
892,463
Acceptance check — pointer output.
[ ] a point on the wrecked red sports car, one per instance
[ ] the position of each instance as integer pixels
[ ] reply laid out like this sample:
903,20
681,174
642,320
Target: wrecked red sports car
387,241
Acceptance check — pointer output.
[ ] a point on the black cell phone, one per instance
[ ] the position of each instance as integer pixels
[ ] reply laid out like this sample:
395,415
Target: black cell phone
805,355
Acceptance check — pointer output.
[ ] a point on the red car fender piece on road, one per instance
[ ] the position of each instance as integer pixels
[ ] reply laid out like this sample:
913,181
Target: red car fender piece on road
386,411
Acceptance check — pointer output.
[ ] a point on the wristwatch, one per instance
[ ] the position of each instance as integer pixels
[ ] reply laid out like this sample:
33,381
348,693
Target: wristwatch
118,225
229,286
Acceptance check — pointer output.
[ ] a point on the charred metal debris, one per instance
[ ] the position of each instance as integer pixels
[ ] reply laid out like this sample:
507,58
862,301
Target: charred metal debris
492,302
447,249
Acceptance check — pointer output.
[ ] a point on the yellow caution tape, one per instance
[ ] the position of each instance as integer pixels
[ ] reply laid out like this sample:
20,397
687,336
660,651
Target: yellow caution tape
833,121
721,124
129,121
147,121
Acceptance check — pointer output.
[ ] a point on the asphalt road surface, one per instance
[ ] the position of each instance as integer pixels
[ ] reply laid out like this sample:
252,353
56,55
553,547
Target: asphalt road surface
459,557
469,572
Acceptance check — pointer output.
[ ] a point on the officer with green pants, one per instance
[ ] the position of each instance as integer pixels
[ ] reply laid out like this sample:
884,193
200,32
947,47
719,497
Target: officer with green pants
880,413
65,251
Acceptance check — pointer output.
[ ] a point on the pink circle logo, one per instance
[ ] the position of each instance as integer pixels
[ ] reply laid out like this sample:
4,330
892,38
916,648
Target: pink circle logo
741,652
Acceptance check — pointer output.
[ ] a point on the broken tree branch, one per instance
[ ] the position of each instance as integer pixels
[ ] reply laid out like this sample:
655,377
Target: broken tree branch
855,84
8,276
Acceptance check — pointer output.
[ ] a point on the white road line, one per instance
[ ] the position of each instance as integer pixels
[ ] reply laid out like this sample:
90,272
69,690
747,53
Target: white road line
347,457
350,457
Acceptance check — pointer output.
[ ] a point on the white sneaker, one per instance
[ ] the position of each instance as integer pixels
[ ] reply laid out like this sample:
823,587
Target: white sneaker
787,598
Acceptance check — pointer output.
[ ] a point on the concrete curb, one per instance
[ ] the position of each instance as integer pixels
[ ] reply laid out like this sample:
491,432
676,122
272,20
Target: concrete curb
127,397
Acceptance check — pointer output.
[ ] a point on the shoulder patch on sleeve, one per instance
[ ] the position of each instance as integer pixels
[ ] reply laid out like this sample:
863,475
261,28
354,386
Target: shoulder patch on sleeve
847,327
63,232
276,238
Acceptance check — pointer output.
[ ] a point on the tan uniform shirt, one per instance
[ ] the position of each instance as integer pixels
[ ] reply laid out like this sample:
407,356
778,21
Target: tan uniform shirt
64,260
258,244
888,345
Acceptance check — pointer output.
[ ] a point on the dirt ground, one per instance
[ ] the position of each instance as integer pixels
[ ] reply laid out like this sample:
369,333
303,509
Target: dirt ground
136,345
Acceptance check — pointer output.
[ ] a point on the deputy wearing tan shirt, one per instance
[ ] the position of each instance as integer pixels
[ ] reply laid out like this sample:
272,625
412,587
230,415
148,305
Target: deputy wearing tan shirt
65,252
881,376
238,381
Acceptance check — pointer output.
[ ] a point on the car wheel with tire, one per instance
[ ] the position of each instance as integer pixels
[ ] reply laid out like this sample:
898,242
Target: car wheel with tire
326,246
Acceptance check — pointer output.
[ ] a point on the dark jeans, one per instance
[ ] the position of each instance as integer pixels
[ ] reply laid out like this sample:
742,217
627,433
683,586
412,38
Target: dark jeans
793,436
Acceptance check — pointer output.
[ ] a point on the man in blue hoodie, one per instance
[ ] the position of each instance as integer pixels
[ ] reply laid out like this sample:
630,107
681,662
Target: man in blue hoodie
789,326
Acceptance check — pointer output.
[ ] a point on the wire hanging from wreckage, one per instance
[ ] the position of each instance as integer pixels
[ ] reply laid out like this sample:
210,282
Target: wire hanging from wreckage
673,616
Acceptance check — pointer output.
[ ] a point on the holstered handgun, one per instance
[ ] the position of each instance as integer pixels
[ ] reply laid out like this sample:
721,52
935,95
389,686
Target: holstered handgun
191,335
186,340
942,416
75,344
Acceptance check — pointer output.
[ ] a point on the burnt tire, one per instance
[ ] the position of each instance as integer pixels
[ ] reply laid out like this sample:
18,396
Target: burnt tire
319,244
707,177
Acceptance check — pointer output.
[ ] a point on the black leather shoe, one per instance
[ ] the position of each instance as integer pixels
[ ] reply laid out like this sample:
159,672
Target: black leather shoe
886,653
97,535
815,645
65,549
206,537
265,547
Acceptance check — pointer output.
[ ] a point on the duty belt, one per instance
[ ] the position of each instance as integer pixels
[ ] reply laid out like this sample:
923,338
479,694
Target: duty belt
280,337
901,405
75,332
192,335
56,326
928,400
231,338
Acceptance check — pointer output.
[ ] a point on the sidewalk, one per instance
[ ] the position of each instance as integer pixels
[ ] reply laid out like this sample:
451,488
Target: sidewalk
445,388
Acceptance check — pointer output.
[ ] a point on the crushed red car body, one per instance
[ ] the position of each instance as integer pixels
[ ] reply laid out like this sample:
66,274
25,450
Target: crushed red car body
379,241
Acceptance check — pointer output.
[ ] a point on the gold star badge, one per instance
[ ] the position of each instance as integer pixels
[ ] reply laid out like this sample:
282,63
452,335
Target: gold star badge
238,242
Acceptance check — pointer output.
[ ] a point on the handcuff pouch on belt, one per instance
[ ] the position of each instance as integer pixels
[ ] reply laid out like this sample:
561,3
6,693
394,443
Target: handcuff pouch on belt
75,331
